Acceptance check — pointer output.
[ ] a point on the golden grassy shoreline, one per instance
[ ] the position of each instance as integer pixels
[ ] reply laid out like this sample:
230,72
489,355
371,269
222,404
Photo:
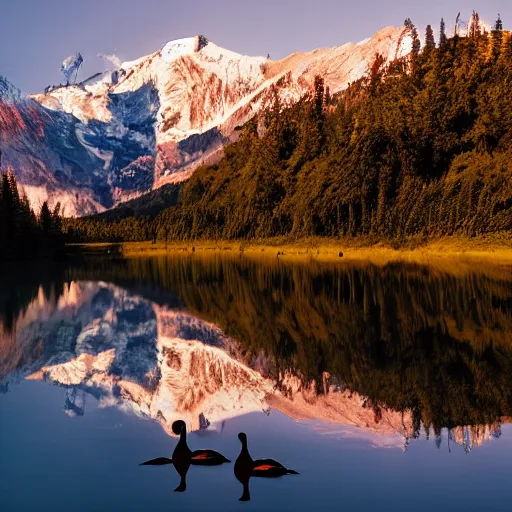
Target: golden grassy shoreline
492,250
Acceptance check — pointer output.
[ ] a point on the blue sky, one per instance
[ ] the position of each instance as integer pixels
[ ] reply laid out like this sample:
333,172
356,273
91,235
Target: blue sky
36,35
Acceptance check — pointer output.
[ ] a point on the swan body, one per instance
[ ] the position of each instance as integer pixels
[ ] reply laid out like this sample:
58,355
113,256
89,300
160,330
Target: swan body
183,457
246,467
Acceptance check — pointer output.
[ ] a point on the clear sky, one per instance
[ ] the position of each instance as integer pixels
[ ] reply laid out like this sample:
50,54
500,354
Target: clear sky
37,35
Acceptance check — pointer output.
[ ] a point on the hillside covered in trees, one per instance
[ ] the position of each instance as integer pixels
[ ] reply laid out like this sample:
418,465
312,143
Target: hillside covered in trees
23,234
421,147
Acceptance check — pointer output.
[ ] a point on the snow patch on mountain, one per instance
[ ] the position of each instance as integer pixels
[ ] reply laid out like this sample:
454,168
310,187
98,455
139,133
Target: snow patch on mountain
82,103
176,49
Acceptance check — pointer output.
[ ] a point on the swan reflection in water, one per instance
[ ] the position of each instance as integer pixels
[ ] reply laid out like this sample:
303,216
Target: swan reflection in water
183,457
245,467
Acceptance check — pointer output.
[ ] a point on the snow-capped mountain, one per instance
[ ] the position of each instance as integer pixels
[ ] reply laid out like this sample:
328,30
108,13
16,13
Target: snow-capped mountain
154,120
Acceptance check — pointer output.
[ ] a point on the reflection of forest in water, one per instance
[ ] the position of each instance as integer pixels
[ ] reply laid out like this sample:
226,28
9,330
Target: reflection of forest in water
406,336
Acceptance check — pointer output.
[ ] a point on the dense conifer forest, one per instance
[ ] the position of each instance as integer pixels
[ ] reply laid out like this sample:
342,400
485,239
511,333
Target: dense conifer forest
23,234
419,147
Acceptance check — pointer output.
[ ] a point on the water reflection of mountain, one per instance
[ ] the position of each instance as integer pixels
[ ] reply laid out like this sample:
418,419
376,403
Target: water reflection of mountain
383,349
126,351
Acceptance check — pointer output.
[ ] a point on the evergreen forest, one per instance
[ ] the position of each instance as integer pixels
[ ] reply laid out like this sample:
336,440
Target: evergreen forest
23,234
421,146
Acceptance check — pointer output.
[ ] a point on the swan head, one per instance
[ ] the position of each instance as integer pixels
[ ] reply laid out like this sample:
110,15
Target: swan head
243,437
178,427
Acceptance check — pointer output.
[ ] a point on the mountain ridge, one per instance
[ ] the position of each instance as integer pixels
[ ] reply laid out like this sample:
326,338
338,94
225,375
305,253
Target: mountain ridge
156,119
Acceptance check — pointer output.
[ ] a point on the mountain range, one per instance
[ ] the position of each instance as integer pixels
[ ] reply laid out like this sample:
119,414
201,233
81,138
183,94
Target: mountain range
152,121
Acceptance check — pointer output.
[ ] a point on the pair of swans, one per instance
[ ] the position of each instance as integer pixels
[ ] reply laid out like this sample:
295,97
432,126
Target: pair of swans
245,466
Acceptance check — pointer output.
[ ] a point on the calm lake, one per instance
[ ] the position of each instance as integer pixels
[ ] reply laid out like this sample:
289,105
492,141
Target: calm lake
386,387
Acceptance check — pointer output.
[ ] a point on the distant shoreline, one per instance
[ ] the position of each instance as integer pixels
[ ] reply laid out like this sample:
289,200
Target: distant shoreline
491,250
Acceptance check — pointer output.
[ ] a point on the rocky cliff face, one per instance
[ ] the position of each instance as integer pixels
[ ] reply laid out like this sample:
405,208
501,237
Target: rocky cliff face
43,147
154,120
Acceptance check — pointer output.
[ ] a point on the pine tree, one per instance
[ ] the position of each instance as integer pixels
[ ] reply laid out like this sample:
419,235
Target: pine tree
506,45
5,213
327,100
319,96
496,39
499,24
474,25
429,37
416,43
376,72
7,198
14,190
456,27
45,219
442,33
56,220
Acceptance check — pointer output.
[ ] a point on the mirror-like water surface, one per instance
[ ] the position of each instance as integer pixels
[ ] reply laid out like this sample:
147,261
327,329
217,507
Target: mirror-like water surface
385,387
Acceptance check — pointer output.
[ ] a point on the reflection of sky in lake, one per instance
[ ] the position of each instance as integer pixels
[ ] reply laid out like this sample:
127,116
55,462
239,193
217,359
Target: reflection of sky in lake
52,462
92,376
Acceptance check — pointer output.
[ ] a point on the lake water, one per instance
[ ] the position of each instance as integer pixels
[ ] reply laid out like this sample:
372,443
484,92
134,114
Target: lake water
385,387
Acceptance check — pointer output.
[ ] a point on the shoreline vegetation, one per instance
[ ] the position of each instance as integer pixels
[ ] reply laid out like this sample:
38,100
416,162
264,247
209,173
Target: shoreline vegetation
491,250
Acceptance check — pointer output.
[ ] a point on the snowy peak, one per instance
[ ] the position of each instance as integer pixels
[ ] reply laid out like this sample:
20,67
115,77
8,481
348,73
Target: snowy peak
171,51
190,45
